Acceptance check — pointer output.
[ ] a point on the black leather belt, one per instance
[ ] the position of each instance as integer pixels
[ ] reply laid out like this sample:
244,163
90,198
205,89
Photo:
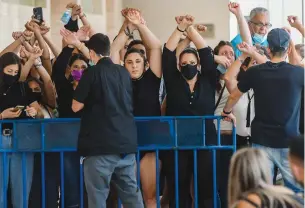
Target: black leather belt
7,132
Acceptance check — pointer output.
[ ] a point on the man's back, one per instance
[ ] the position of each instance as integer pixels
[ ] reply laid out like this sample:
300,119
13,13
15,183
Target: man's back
277,90
107,125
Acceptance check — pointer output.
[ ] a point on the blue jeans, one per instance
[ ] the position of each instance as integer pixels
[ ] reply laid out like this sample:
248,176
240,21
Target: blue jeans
12,167
279,157
71,179
100,170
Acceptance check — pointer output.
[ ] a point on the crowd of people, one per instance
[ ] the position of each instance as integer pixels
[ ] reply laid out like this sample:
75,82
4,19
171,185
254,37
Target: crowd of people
255,81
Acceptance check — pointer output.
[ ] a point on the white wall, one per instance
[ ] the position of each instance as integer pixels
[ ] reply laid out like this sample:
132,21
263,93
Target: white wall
13,18
160,14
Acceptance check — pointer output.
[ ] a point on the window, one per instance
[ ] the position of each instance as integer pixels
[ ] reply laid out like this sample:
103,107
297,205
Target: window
32,3
92,6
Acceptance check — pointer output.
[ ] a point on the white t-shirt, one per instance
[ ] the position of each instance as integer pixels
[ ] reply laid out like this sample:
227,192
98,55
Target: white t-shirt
240,112
224,125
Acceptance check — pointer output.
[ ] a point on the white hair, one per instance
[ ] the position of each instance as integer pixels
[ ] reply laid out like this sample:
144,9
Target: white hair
258,10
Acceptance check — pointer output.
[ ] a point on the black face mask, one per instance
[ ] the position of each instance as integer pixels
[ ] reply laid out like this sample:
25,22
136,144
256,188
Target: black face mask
189,71
38,96
9,79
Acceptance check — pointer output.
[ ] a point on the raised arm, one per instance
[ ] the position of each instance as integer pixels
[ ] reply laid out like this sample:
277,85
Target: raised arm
49,89
46,61
71,39
174,39
119,44
230,76
194,35
151,42
296,23
241,21
26,68
13,46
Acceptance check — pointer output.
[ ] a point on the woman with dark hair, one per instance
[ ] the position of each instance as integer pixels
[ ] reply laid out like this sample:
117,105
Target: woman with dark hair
190,92
67,71
17,102
146,73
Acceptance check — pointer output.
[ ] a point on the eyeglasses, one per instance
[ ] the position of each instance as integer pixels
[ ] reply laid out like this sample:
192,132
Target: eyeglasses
260,25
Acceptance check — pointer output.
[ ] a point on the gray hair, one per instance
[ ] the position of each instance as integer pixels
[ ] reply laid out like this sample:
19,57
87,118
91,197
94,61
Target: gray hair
249,169
258,10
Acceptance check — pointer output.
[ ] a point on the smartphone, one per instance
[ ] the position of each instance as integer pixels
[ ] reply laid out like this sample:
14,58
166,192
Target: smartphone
18,107
37,12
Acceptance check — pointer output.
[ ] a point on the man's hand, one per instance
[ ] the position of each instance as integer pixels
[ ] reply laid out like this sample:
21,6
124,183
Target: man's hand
294,21
246,48
179,19
235,8
229,117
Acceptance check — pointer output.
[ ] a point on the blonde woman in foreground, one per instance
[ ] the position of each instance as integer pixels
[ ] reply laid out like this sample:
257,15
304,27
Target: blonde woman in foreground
250,182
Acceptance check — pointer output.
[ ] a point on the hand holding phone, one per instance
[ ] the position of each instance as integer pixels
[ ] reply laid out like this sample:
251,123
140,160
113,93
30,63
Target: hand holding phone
37,12
18,107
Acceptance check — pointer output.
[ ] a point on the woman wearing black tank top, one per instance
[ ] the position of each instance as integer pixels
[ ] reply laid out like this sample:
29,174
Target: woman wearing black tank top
143,62
250,183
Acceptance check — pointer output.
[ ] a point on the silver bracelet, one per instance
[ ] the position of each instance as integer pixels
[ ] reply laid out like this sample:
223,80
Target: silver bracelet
38,65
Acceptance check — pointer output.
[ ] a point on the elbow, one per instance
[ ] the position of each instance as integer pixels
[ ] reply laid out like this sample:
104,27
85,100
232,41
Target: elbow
75,108
227,78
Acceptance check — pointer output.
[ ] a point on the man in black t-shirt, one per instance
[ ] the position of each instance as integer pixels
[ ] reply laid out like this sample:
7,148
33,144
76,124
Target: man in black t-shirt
277,89
108,135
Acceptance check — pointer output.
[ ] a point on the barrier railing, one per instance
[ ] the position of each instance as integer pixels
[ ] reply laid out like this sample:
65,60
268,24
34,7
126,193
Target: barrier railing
154,133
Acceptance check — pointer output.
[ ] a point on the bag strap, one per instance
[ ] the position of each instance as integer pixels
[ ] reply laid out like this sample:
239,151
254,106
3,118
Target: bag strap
248,119
220,96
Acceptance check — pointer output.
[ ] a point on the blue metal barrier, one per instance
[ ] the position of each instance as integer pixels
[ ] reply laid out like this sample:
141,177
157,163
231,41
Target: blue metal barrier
154,133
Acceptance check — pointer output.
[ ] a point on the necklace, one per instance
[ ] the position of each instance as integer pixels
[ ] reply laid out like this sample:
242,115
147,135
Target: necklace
7,90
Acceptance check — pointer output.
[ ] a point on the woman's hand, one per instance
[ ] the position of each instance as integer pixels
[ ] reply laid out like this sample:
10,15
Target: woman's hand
27,35
32,26
201,27
187,21
222,60
16,35
134,17
11,113
70,37
36,53
83,33
31,112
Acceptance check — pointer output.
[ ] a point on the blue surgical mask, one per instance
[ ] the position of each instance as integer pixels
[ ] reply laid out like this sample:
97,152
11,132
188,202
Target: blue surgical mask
258,39
221,69
91,63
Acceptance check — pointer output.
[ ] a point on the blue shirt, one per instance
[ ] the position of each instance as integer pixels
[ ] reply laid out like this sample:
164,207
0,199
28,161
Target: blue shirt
277,90
237,40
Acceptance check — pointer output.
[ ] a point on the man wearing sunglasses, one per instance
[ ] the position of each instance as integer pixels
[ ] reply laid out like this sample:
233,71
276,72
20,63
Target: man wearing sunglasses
259,25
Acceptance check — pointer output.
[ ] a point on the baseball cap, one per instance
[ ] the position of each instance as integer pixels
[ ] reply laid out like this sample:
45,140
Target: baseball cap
100,44
278,40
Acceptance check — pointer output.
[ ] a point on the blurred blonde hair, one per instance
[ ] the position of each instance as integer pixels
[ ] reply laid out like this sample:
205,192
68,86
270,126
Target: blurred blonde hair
249,169
250,173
